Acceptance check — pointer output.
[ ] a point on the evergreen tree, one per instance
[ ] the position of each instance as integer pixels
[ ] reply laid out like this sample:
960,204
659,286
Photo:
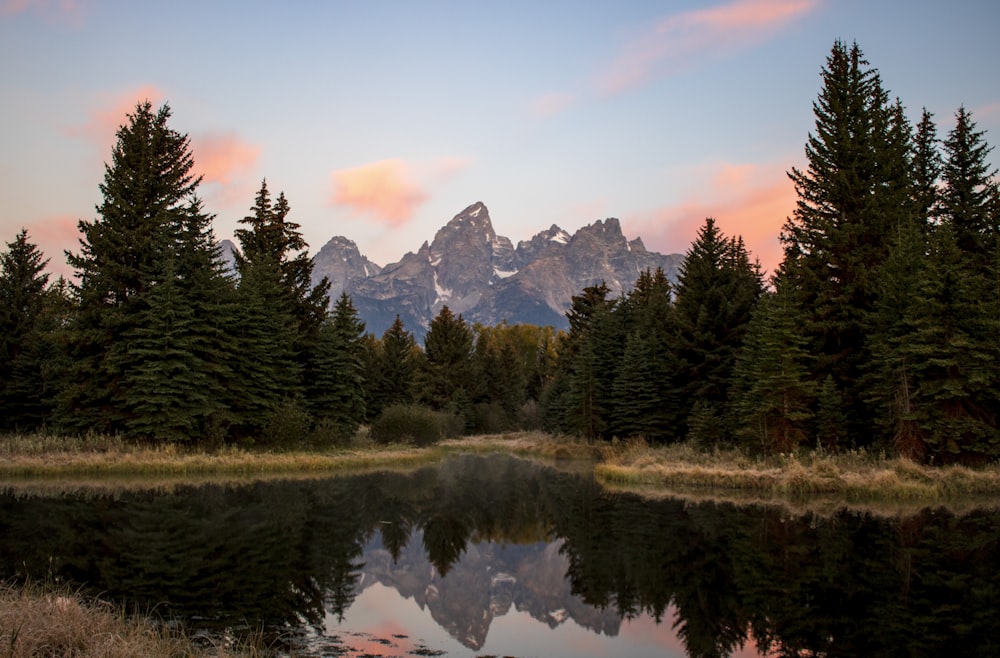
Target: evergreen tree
588,360
969,190
395,368
335,388
445,381
635,391
890,381
500,372
716,292
151,229
954,367
169,394
926,160
272,240
851,197
772,390
267,374
645,400
23,285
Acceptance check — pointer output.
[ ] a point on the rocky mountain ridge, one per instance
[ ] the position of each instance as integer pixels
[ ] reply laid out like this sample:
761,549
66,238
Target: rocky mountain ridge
483,276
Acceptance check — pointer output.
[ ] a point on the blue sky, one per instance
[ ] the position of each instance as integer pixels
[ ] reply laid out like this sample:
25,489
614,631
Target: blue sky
382,120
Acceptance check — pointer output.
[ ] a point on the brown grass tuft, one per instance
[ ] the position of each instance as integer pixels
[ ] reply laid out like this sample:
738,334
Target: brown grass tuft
38,621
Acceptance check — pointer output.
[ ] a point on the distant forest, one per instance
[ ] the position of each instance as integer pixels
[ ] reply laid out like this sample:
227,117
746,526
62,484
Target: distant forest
880,329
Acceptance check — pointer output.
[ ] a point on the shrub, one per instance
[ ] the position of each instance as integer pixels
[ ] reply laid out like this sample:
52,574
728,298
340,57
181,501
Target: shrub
408,424
286,427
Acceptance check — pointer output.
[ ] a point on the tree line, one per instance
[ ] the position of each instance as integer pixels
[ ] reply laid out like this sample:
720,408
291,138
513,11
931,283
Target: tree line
879,328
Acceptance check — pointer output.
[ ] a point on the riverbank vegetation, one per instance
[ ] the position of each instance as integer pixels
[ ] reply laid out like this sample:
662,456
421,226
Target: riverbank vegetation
878,332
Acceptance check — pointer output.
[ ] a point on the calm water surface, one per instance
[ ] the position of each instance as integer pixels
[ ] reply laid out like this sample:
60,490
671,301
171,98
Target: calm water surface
498,556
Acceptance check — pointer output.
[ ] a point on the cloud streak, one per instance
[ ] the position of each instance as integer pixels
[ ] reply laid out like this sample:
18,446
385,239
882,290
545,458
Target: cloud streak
390,191
61,11
745,199
680,41
102,123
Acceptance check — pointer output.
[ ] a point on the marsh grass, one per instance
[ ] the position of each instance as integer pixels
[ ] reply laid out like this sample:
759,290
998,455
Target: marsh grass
854,475
36,620
43,456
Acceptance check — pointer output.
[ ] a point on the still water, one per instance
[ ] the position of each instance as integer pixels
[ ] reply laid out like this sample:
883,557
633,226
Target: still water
495,556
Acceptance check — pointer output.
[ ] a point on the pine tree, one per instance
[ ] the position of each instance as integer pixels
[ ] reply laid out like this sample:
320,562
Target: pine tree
954,367
927,164
772,390
969,189
267,373
335,389
445,379
23,285
395,368
635,391
852,196
151,229
645,399
169,395
272,240
716,292
588,359
891,381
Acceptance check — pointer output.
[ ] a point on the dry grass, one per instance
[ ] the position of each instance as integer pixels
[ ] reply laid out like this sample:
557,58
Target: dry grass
853,476
36,621
41,456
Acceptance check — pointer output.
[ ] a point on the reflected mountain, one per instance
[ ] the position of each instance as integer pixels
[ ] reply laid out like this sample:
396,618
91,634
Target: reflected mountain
485,583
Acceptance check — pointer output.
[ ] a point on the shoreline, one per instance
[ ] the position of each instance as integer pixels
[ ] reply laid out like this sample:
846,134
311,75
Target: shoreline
858,477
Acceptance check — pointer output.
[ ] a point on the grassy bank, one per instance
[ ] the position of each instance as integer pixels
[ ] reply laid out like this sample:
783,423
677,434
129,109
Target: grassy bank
633,465
854,476
43,456
37,621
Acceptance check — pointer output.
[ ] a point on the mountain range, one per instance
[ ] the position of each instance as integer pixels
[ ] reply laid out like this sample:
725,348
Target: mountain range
483,276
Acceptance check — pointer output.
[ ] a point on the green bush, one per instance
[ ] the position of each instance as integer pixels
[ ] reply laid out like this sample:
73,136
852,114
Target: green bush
407,423
286,427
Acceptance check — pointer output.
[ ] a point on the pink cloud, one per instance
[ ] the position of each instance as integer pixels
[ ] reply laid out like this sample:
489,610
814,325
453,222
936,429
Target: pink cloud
680,40
748,200
102,123
391,190
223,158
228,165
61,11
384,190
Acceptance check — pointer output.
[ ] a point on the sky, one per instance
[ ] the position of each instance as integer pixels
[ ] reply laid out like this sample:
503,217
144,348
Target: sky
380,121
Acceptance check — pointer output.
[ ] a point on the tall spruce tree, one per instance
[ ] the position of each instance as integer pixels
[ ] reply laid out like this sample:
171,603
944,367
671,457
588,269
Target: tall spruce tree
335,384
395,366
23,285
772,390
716,292
151,229
645,400
969,189
926,159
849,201
445,380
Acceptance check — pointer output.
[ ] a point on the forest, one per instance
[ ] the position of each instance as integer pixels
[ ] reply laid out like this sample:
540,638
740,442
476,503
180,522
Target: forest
879,329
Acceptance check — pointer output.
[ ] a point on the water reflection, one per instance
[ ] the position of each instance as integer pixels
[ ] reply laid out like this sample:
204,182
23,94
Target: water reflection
481,542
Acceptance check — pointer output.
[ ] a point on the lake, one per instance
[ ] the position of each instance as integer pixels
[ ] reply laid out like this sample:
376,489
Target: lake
498,556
